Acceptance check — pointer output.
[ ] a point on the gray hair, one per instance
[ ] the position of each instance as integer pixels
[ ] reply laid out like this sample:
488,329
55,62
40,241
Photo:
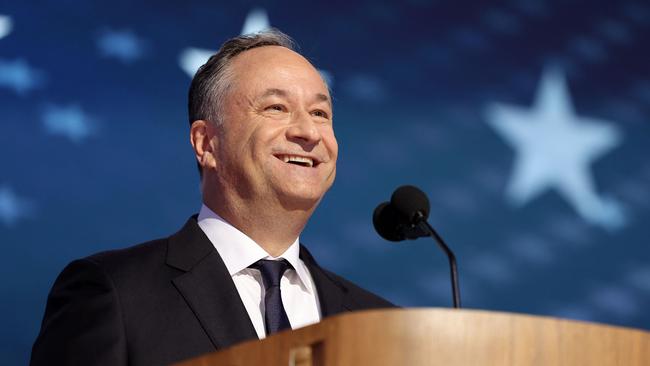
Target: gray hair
214,78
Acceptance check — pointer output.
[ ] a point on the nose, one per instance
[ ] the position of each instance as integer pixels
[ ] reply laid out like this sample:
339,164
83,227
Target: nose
304,131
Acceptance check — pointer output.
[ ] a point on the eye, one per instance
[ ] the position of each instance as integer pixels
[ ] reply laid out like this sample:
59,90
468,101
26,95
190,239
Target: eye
276,108
320,113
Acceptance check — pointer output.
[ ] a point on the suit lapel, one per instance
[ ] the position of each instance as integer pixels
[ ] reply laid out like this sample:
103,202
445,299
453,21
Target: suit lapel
331,292
207,287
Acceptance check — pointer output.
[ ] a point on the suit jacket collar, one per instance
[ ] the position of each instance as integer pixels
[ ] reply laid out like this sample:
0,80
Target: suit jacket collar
207,287
332,293
209,291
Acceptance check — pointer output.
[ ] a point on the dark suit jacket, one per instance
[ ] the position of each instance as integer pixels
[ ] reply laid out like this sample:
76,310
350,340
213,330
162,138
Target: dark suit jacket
160,302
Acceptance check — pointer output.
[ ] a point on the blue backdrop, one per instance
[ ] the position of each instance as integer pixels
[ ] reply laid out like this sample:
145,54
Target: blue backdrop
527,122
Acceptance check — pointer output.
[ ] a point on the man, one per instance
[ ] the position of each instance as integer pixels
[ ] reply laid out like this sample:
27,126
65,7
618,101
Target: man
261,129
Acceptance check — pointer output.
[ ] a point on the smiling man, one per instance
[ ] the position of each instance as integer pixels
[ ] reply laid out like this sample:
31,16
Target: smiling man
262,133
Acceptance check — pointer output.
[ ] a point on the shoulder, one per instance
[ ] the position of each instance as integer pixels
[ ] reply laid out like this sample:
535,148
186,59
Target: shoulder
152,262
114,268
150,253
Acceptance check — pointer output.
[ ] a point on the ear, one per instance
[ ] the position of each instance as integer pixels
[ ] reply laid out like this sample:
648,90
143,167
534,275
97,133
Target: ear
202,137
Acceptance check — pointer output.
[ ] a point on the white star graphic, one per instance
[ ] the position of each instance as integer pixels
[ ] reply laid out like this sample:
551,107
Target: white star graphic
12,207
71,122
6,25
555,149
19,76
123,45
192,58
256,21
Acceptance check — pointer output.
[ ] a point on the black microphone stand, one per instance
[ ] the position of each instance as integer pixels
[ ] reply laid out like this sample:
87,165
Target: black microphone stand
424,228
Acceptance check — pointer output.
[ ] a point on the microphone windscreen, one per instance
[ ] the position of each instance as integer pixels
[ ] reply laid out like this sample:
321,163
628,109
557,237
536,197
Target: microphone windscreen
386,221
408,201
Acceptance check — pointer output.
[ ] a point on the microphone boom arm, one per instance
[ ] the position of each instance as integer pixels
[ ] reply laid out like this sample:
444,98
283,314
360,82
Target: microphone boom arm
423,225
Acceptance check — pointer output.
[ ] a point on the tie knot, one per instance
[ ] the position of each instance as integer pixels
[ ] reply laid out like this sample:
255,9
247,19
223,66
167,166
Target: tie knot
271,270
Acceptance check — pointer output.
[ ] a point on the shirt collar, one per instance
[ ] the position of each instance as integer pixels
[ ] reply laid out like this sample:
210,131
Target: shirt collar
238,251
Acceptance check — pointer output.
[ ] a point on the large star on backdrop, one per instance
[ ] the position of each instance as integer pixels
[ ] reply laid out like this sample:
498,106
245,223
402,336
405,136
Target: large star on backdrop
555,149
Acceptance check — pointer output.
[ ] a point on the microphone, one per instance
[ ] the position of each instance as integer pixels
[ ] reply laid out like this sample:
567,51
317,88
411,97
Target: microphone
405,217
397,220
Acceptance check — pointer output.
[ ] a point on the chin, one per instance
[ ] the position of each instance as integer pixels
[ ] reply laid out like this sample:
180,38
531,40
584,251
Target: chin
303,201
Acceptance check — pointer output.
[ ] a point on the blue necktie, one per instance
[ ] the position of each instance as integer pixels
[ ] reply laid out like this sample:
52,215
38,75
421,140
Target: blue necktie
274,315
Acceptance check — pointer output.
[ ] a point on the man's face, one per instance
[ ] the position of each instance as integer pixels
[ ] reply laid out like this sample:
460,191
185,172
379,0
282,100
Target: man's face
277,142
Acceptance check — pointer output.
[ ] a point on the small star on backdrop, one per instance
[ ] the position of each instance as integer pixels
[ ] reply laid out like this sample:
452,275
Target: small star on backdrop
6,26
123,45
71,122
19,76
192,58
13,207
257,20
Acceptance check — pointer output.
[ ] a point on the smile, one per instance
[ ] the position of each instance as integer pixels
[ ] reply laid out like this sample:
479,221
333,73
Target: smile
298,160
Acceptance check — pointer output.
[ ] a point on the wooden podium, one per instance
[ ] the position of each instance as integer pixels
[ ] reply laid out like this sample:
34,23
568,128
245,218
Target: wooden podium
441,337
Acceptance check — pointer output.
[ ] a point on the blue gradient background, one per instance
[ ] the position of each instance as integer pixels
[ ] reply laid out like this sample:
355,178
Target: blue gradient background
411,81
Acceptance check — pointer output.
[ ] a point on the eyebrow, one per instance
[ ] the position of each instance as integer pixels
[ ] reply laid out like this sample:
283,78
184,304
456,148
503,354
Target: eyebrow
274,91
283,93
323,98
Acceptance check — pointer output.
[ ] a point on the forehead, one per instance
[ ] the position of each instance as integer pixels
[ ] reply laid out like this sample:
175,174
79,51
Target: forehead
276,67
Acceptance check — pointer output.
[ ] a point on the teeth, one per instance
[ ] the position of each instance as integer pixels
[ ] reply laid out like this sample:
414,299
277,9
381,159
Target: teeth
298,159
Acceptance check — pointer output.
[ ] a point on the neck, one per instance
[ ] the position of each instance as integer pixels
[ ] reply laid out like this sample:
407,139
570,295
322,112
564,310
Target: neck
272,226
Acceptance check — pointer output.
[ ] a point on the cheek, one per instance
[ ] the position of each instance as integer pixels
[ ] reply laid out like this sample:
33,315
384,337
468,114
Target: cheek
329,139
248,134
264,138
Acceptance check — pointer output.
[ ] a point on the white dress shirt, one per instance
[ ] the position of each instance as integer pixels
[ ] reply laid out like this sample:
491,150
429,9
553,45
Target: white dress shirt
238,252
